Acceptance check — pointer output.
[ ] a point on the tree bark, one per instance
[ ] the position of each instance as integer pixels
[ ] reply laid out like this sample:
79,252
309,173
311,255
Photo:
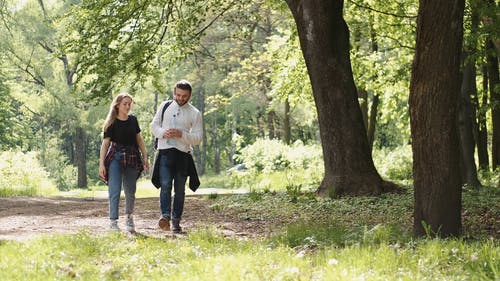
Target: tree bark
434,88
494,79
215,145
271,116
482,130
81,157
201,153
363,105
287,131
465,123
324,39
373,121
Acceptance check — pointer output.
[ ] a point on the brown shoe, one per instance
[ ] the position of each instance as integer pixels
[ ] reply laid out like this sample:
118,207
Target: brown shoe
164,224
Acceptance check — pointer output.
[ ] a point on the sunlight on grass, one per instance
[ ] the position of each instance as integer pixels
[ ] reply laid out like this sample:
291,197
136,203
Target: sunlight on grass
206,255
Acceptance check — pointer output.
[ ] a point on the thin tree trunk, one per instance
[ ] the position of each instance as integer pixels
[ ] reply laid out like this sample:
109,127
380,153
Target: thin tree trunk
200,154
363,104
435,84
260,129
232,150
465,120
478,115
204,151
324,39
482,133
287,131
373,121
215,145
494,79
270,124
80,157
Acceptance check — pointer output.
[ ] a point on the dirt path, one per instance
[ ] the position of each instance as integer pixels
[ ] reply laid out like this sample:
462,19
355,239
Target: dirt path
24,218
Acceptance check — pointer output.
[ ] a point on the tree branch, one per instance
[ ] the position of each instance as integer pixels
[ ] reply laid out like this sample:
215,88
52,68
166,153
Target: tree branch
381,12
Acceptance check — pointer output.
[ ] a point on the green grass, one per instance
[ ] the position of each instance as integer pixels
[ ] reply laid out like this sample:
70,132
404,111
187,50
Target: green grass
352,238
205,255
310,238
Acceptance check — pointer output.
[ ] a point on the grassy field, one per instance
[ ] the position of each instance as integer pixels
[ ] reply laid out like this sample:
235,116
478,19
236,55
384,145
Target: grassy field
365,238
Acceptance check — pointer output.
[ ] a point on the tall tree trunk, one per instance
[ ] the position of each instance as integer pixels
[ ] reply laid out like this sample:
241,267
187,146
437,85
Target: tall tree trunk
215,145
373,120
81,157
200,154
287,131
482,133
155,92
204,151
260,129
232,150
479,116
324,39
434,88
494,79
465,126
271,115
363,105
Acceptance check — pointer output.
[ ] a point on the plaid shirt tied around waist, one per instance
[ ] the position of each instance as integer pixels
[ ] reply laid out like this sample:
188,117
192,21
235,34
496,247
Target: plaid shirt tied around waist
130,158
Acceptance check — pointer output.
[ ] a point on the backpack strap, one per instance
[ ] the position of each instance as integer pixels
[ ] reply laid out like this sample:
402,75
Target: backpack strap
164,109
155,145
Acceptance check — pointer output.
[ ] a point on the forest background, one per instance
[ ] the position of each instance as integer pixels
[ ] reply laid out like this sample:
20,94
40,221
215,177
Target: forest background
63,61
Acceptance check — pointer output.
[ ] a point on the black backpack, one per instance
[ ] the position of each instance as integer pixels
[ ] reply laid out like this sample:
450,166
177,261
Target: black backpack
162,113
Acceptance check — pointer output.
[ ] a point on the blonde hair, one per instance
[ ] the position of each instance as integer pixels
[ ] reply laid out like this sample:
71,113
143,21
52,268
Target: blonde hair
113,109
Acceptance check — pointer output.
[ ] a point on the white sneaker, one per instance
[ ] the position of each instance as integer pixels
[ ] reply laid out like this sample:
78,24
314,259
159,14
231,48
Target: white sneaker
114,225
130,223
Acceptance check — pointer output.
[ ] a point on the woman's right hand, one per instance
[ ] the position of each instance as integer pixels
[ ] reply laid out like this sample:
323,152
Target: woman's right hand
102,172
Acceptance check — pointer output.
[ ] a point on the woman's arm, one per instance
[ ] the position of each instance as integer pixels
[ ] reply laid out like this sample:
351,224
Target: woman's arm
142,148
102,156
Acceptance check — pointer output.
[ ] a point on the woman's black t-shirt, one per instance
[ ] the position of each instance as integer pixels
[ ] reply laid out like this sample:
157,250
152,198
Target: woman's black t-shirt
124,132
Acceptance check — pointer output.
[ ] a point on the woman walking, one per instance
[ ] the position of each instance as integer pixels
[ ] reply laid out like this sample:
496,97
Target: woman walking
120,161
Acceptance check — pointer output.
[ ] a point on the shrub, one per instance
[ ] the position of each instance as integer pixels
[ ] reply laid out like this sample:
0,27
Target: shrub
22,174
56,163
267,156
273,165
395,163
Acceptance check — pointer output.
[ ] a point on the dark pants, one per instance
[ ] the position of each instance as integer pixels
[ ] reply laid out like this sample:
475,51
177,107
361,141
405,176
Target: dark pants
173,171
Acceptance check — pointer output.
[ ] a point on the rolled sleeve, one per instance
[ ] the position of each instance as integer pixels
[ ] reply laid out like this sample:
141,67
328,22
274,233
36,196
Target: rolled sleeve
194,136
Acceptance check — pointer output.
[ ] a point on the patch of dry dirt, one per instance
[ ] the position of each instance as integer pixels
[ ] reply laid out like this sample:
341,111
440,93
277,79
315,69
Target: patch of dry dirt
23,218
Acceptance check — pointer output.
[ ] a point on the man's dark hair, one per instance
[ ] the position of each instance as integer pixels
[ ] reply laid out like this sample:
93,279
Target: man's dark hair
184,85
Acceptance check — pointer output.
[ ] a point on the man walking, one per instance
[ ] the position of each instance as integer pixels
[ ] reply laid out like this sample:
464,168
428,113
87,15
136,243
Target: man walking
178,127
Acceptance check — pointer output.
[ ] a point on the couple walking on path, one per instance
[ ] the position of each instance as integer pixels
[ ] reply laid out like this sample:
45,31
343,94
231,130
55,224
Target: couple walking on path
123,156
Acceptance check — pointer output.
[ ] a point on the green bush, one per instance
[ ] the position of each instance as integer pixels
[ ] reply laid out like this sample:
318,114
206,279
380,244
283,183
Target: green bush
395,164
56,163
22,174
266,156
273,165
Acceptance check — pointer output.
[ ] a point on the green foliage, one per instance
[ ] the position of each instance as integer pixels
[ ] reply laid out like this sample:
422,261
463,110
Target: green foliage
22,174
267,156
395,164
383,39
489,178
273,165
9,114
57,164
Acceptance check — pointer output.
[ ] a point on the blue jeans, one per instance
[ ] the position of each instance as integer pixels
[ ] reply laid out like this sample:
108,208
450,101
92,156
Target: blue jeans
117,175
168,174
